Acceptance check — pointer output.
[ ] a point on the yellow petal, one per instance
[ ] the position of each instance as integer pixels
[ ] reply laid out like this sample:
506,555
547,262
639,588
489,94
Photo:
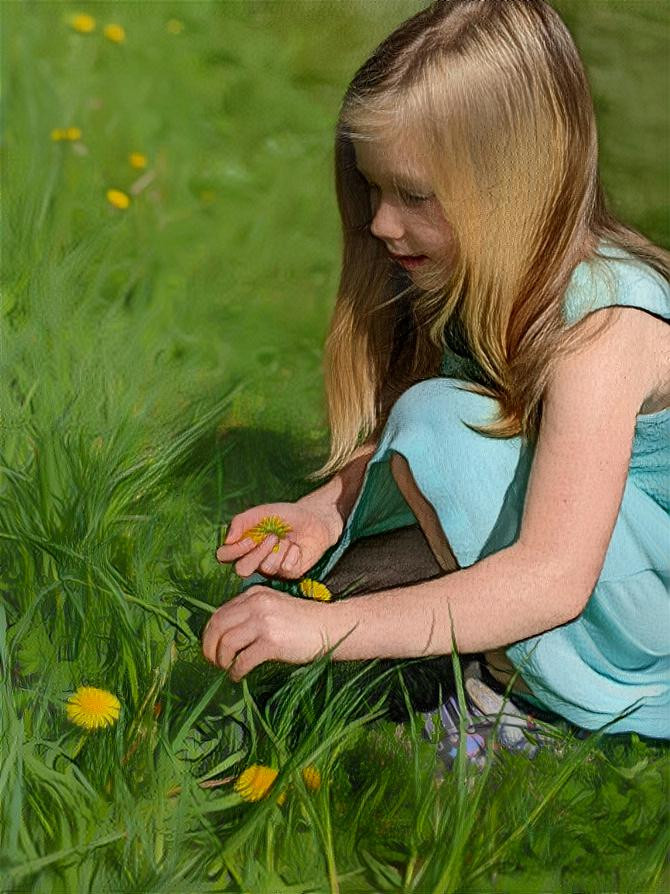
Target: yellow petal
83,23
117,198
73,133
58,133
174,26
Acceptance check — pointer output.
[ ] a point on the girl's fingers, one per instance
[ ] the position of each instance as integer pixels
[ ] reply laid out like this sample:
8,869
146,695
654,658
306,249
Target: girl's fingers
230,552
291,557
276,557
252,560
229,645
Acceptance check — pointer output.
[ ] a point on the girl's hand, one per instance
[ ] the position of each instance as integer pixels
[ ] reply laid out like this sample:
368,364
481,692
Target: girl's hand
299,549
262,624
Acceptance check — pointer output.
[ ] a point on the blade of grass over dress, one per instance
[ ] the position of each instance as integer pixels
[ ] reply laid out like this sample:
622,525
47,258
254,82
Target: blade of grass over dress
614,659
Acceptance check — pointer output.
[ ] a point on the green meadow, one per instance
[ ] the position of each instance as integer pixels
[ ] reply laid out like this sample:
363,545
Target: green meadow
161,370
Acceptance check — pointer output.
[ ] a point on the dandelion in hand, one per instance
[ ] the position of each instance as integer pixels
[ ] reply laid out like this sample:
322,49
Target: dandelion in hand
117,198
271,524
115,33
83,23
255,783
314,589
93,708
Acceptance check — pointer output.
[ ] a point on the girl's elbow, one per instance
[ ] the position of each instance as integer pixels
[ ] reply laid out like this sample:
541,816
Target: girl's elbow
569,583
578,587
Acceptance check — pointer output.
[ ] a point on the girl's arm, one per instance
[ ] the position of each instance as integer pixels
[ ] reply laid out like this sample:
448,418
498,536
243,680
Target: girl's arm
543,580
334,500
574,493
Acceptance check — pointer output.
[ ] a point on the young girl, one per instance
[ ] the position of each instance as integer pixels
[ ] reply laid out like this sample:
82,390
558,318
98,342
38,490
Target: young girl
500,344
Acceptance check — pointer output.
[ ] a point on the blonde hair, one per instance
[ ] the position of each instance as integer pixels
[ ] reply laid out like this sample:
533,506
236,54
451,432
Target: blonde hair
493,98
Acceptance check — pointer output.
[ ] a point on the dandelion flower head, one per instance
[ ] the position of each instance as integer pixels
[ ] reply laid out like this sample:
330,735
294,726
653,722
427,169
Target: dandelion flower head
93,708
314,589
117,198
174,26
137,160
115,33
271,524
312,777
66,133
83,23
256,781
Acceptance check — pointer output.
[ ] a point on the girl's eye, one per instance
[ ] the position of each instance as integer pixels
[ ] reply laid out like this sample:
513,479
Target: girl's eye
412,199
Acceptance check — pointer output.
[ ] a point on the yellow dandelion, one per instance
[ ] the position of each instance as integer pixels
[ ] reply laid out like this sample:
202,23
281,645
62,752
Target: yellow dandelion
83,23
73,133
117,198
314,589
115,33
93,708
137,160
58,134
312,777
255,783
271,524
174,26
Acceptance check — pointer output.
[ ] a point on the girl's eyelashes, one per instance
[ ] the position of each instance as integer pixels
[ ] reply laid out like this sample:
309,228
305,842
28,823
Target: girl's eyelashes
413,199
407,197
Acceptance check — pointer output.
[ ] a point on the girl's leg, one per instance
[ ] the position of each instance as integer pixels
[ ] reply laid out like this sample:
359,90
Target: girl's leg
497,663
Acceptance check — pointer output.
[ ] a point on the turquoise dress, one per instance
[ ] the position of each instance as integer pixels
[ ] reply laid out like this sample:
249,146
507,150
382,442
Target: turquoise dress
614,659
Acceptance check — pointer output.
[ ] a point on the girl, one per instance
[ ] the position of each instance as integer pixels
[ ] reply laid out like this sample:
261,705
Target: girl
500,343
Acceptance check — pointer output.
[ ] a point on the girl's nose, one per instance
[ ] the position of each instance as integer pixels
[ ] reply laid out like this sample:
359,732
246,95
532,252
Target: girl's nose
386,223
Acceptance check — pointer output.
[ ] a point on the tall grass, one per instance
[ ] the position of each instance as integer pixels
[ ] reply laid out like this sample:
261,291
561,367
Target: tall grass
161,371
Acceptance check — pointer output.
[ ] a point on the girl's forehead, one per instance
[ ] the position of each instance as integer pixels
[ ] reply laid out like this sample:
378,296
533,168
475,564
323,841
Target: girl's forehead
389,160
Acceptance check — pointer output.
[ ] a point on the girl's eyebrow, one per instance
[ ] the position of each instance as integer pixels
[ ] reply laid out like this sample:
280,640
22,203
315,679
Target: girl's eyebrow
400,181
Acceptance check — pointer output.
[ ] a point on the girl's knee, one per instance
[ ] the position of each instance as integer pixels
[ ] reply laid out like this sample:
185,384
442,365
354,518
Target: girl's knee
439,402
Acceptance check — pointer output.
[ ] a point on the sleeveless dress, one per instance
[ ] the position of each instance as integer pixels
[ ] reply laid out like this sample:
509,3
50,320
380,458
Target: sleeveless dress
611,665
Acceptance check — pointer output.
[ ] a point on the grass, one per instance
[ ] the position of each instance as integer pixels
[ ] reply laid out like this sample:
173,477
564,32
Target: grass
162,371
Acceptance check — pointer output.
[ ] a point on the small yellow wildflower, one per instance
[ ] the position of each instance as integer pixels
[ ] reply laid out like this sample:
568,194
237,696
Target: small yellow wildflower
83,23
115,33
312,777
117,198
137,160
174,26
256,781
314,589
93,708
271,524
66,133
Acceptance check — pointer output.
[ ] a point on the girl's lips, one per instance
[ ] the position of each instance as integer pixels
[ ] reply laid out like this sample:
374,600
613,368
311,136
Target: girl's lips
409,262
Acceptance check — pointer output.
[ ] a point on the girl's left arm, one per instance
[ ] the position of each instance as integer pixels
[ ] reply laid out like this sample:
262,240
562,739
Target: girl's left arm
543,580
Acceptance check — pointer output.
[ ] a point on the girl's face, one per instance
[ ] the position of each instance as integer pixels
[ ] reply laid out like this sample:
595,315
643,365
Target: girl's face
406,215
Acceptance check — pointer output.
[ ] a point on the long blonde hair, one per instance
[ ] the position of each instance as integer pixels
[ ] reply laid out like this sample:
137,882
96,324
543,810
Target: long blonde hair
493,97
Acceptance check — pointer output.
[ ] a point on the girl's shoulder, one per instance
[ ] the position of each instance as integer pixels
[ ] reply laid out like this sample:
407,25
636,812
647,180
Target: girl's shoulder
615,277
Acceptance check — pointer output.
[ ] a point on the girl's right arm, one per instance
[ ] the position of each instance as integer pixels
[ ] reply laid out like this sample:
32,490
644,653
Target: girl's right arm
334,500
